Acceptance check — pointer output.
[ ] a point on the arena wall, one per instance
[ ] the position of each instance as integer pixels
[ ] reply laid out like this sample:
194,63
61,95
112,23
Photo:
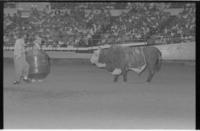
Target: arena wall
182,51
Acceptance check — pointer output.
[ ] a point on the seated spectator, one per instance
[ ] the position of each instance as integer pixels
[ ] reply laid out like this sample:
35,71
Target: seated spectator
138,24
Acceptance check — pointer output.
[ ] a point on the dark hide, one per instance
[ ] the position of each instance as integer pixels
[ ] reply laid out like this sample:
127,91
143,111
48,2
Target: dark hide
125,58
113,57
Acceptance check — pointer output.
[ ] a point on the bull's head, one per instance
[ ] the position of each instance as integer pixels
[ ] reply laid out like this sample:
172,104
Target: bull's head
95,59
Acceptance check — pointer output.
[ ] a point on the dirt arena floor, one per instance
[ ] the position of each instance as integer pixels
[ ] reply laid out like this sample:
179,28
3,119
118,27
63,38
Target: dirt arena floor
79,95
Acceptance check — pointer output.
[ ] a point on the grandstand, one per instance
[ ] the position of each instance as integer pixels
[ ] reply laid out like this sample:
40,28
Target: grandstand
94,24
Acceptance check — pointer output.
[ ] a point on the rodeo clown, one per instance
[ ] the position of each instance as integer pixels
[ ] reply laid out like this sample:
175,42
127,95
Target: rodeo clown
21,65
37,42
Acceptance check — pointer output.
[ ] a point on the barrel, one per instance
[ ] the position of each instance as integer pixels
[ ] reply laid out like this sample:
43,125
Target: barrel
39,64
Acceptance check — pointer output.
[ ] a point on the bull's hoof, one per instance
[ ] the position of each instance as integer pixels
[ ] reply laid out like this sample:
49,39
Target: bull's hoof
27,80
139,74
125,80
148,80
115,80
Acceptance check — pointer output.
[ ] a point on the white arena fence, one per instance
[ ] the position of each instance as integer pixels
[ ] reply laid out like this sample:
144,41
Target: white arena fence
174,51
71,48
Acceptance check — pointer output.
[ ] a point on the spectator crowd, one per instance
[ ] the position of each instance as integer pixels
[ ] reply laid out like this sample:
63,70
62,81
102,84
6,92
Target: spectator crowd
81,27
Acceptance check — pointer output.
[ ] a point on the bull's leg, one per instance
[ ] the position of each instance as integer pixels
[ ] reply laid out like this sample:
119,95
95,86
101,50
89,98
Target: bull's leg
125,75
151,74
140,73
116,73
150,77
115,78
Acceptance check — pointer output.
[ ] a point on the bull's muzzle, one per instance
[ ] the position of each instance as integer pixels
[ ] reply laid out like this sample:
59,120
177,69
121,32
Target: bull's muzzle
117,71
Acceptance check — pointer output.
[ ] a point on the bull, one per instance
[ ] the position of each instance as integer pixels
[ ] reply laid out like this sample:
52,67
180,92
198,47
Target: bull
119,60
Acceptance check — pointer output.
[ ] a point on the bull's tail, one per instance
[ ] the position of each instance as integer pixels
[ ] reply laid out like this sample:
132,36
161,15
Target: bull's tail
159,62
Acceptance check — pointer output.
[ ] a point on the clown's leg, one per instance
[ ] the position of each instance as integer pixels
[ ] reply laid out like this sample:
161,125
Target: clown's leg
18,70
